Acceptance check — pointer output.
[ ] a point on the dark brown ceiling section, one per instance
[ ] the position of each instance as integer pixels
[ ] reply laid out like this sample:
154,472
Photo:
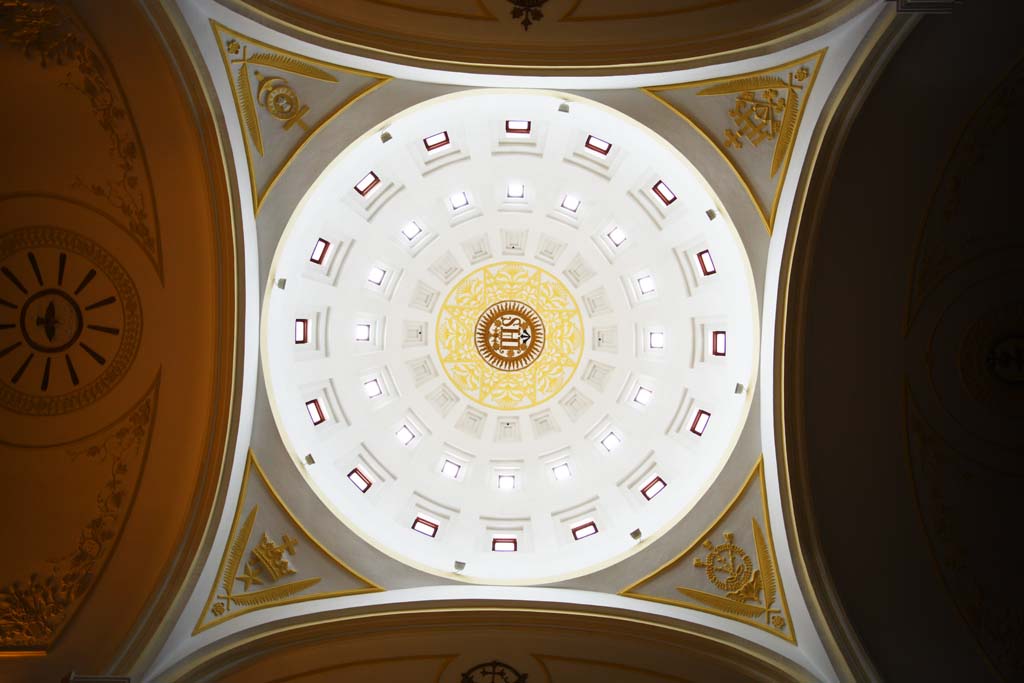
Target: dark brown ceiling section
905,357
117,318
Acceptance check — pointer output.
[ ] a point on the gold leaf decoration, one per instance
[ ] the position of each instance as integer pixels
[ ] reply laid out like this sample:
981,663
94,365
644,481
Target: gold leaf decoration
273,594
291,65
247,108
237,550
716,574
787,131
744,84
723,604
251,559
769,580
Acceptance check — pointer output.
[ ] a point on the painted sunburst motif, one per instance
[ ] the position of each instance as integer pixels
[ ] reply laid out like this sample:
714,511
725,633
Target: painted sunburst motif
533,301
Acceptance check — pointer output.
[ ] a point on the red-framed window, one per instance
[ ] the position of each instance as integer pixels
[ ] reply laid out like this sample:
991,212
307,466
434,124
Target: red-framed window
700,422
583,530
319,251
301,331
718,343
504,545
436,141
707,265
369,181
316,412
664,194
598,145
425,527
653,488
518,127
360,480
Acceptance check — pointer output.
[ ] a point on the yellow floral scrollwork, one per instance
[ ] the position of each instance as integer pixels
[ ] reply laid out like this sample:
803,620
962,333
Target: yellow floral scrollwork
563,335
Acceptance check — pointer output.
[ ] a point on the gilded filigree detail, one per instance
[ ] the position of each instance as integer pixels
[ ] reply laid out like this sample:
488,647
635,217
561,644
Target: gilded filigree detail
507,386
767,108
749,593
257,573
50,32
272,93
267,559
731,575
32,612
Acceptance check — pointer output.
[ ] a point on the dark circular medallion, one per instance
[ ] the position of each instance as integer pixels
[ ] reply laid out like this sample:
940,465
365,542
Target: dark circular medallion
509,335
51,321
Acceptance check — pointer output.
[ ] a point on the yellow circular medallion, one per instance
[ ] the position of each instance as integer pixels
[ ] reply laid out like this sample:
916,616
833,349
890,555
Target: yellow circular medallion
509,335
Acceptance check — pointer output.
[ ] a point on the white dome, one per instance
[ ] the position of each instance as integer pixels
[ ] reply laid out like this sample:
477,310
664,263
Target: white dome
612,413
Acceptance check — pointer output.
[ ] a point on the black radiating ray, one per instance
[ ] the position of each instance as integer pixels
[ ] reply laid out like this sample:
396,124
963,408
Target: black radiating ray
71,370
35,268
95,356
101,303
60,268
14,278
7,304
6,326
17,375
7,349
104,329
85,281
46,376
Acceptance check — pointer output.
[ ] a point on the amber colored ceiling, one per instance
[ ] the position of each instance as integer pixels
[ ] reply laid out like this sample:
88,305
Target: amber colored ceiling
114,417
462,34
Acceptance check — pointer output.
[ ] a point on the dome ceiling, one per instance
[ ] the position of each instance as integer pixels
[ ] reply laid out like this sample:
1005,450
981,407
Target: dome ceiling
507,328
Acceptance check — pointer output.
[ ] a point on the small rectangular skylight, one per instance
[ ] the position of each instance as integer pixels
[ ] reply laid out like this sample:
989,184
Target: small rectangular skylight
451,469
611,441
516,191
506,482
436,141
596,144
664,194
376,276
561,471
517,127
405,435
363,332
700,422
571,203
653,488
643,396
504,545
360,480
319,251
301,331
617,236
459,200
584,530
707,266
369,181
372,388
718,343
411,230
645,283
656,340
425,527
316,412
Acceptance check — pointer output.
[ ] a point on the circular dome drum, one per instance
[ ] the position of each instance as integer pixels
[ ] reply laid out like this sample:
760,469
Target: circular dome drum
510,334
